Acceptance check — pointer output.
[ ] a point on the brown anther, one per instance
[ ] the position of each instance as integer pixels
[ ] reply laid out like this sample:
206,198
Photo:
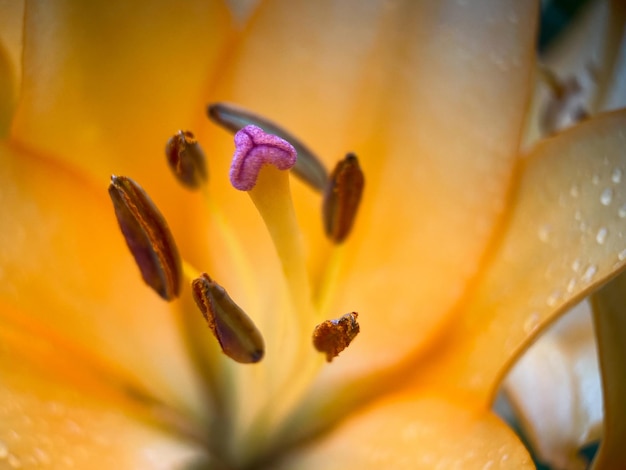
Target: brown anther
148,237
309,168
568,101
333,336
186,159
342,198
236,333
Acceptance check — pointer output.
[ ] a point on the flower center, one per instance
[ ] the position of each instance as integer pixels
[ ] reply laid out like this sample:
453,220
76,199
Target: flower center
282,373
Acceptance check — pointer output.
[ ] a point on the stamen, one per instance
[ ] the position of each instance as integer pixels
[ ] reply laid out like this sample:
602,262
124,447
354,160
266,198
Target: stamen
148,237
342,198
567,103
308,167
333,336
236,333
254,149
186,159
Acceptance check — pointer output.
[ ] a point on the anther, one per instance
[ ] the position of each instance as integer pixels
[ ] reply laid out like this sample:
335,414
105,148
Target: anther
186,159
567,104
254,148
236,333
333,336
342,198
308,167
148,237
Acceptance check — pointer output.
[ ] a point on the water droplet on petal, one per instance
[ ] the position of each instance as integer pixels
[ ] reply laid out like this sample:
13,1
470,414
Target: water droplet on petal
544,233
576,265
622,211
616,176
553,298
621,255
589,273
531,323
4,450
601,235
571,285
606,197
574,191
42,456
14,462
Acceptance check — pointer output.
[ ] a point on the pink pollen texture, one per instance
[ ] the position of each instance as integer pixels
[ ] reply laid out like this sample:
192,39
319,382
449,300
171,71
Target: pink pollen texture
254,149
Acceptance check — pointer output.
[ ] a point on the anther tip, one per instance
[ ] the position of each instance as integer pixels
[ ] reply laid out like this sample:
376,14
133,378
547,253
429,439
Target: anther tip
256,356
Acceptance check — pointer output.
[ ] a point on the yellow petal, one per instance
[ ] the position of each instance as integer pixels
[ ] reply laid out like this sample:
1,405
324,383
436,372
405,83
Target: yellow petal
610,323
64,263
430,96
564,236
416,433
556,392
48,422
106,84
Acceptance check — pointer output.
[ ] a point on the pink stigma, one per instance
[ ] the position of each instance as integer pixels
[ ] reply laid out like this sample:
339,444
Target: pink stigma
254,149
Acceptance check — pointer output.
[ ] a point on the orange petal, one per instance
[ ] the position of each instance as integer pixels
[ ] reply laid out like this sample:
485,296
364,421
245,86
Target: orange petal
48,422
64,262
7,95
418,432
609,314
431,97
11,31
563,238
106,84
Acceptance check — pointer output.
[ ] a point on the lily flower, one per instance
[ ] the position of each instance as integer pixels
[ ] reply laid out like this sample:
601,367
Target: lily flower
465,244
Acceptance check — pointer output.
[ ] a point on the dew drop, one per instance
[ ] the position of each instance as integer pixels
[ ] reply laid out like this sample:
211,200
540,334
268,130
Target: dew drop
504,458
589,273
622,211
576,265
544,233
616,176
4,450
606,197
531,323
574,191
14,462
553,298
42,456
571,285
621,255
601,235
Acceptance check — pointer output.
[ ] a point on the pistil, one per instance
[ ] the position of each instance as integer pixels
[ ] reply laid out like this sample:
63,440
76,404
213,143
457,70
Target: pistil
270,193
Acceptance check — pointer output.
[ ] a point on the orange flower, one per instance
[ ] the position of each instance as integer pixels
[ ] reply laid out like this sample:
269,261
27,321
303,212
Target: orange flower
463,250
